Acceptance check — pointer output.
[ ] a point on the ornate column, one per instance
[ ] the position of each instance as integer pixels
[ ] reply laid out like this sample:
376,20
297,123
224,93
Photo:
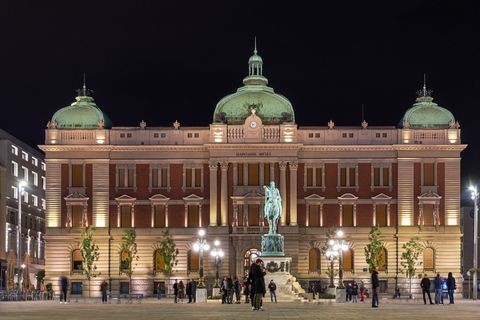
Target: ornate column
293,193
69,214
283,192
261,173
245,174
213,193
224,194
166,215
152,212
235,214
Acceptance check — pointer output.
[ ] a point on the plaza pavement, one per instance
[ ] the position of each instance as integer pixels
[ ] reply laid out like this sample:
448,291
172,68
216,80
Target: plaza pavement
166,309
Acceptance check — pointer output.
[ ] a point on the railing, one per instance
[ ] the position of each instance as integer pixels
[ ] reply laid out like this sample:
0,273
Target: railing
235,132
271,132
252,230
429,135
77,135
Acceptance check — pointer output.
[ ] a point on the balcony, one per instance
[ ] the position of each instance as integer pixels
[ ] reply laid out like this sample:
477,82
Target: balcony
250,230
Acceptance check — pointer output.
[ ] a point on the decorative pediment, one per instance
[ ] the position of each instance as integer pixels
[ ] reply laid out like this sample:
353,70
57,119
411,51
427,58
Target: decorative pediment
193,198
381,196
125,199
254,194
429,195
76,195
159,198
347,196
314,198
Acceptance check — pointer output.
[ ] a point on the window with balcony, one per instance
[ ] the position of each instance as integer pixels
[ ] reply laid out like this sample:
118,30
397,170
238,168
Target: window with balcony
253,215
77,216
253,174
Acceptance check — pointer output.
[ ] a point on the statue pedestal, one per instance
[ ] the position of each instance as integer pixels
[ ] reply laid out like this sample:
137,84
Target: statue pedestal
340,295
279,271
272,245
201,295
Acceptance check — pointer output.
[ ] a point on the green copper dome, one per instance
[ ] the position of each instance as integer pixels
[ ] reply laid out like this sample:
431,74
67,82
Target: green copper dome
255,94
82,114
425,114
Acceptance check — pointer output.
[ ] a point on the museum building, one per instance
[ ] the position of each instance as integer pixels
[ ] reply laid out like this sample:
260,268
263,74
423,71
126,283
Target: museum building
404,178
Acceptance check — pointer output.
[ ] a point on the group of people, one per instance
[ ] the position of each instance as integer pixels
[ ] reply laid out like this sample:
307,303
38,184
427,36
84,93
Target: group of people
451,286
228,287
180,291
255,285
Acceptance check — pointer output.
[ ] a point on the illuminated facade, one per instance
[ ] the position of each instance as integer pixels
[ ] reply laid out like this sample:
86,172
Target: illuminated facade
405,178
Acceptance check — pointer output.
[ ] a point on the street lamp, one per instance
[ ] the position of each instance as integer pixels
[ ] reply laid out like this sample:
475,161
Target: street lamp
335,249
475,236
217,252
200,245
21,187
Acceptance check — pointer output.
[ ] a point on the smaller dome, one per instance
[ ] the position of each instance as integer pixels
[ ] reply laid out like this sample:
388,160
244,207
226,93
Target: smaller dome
425,114
82,114
255,58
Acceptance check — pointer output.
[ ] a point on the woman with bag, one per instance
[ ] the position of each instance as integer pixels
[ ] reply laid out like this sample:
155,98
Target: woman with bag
181,291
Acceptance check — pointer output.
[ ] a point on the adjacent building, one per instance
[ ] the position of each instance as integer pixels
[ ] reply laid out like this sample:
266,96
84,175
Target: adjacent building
404,178
20,162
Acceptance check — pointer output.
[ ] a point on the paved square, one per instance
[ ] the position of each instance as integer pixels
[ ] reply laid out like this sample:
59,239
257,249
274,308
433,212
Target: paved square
166,309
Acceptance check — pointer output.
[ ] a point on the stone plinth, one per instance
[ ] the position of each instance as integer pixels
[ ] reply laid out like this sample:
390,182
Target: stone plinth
272,245
340,295
201,295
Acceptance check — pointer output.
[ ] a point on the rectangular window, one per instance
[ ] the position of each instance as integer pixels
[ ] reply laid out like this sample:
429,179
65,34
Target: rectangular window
377,135
253,219
163,135
34,161
25,197
350,135
44,183
76,288
314,177
15,192
35,178
24,156
386,176
35,200
381,215
193,178
126,217
159,178
122,135
159,216
197,135
317,135
343,177
44,166
198,178
129,135
14,168
344,135
310,135
376,177
314,216
77,216
24,174
351,176
44,204
189,135
126,177
253,174
77,175
428,174
347,216
266,173
347,177
309,177
188,178
428,214
318,176
240,174
155,135
384,135
15,150
193,218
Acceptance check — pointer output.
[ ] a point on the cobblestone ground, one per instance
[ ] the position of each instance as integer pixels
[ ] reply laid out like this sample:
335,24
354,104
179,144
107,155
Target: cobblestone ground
153,309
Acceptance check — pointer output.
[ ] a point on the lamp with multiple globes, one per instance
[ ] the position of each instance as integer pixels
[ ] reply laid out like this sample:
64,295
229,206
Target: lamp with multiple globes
475,196
217,252
201,245
335,249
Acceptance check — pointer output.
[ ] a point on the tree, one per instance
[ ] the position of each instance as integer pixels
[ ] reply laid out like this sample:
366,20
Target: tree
373,250
128,249
169,255
90,254
411,251
40,276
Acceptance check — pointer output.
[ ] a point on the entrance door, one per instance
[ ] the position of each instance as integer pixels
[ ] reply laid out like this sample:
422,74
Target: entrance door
250,257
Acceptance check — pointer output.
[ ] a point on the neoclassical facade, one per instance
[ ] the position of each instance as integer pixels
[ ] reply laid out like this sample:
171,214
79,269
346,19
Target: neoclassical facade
404,178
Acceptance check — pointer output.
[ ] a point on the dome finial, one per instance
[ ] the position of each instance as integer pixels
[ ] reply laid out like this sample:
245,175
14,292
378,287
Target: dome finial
255,50
424,93
84,92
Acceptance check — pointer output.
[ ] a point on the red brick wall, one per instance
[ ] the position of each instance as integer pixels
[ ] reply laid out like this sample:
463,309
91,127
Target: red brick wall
331,214
364,215
143,216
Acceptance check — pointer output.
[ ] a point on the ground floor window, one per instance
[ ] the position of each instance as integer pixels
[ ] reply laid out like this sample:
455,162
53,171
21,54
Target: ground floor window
162,287
124,288
76,288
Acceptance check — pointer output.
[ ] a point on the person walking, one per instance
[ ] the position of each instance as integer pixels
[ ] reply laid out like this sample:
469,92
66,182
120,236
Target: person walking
238,289
375,287
193,290
224,289
273,288
354,292
175,291
397,293
362,291
159,291
181,291
451,286
188,291
425,285
313,291
438,289
64,284
103,288
258,278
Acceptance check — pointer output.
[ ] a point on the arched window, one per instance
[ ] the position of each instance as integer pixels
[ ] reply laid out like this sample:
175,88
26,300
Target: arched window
158,260
428,259
77,260
314,259
347,259
383,263
125,260
194,262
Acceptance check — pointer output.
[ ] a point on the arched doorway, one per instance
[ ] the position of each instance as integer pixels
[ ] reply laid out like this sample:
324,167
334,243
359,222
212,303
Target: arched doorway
250,257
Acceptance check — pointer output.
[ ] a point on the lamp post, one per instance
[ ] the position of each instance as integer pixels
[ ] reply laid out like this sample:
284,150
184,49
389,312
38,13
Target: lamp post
21,186
217,252
200,245
331,254
475,240
336,248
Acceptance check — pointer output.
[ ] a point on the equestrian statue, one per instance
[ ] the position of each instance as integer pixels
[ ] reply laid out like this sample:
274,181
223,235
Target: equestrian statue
273,207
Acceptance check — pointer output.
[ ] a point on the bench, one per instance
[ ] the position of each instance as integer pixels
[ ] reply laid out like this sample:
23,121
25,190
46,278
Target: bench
126,296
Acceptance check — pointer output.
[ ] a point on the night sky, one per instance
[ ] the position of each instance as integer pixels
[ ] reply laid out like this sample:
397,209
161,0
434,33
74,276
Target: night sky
162,61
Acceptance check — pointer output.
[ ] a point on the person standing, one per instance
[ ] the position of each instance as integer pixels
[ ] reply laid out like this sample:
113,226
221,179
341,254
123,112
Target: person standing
349,292
397,293
193,290
451,286
175,291
438,289
246,290
354,292
224,288
181,291
230,290
159,291
64,283
103,288
188,291
362,291
425,284
258,278
238,289
273,288
375,287
313,291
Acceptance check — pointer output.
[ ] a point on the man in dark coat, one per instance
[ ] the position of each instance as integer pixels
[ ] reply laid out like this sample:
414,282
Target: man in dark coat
273,288
188,290
175,290
252,287
451,286
259,282
425,284
375,287
193,290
